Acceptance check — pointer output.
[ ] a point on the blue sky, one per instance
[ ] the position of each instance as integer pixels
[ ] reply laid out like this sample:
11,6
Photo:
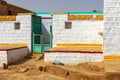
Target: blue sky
59,5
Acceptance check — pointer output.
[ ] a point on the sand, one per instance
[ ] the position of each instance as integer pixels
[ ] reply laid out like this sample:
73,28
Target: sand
106,70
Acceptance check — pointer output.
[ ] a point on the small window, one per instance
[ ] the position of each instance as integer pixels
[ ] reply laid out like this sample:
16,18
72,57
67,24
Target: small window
68,25
17,26
9,12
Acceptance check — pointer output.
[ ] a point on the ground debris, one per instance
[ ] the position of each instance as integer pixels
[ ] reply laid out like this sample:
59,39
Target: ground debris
39,58
23,70
42,68
58,63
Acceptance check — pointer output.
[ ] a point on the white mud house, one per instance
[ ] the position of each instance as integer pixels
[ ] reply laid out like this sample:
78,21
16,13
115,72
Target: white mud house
77,37
16,36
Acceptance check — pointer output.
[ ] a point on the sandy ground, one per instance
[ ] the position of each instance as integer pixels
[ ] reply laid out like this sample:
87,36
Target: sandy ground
106,70
33,72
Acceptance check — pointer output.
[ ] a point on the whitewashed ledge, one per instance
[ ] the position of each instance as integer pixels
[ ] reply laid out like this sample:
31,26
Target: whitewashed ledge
73,57
9,55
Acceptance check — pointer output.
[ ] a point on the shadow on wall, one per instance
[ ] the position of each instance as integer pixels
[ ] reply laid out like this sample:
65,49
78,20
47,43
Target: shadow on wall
46,37
22,55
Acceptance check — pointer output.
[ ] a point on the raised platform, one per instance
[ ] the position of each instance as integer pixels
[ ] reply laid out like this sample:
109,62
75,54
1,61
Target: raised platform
87,49
10,54
75,55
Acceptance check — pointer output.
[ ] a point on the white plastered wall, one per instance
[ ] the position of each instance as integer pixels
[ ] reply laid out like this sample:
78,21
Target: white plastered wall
112,27
8,35
82,31
73,58
3,58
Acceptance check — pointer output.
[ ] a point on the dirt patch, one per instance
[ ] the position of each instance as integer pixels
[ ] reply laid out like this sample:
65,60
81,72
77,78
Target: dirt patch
29,75
106,70
83,71
112,76
56,69
33,72
92,67
82,76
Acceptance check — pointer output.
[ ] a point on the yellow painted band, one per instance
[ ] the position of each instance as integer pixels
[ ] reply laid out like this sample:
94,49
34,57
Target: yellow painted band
84,17
99,45
25,14
7,18
13,45
111,57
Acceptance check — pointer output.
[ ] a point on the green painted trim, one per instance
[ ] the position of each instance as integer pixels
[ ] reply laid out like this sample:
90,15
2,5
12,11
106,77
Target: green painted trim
43,13
68,12
85,12
46,47
33,48
51,36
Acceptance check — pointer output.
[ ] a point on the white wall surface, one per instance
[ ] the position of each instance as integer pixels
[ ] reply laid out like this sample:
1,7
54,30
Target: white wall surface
3,58
73,58
112,27
82,31
10,36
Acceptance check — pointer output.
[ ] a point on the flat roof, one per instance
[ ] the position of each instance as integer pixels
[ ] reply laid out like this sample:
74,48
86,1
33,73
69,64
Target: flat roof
87,49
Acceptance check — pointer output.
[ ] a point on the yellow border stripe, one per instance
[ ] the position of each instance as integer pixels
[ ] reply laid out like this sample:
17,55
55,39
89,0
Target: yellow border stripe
79,45
7,18
25,14
13,45
111,57
84,17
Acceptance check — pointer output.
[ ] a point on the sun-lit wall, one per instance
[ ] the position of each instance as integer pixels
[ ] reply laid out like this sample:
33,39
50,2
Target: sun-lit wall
112,27
83,30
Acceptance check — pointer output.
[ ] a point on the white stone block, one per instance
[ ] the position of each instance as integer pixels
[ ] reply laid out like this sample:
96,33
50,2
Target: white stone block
3,58
13,55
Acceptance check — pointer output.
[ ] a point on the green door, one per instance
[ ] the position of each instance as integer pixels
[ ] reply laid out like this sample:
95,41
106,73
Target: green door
38,46
37,36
